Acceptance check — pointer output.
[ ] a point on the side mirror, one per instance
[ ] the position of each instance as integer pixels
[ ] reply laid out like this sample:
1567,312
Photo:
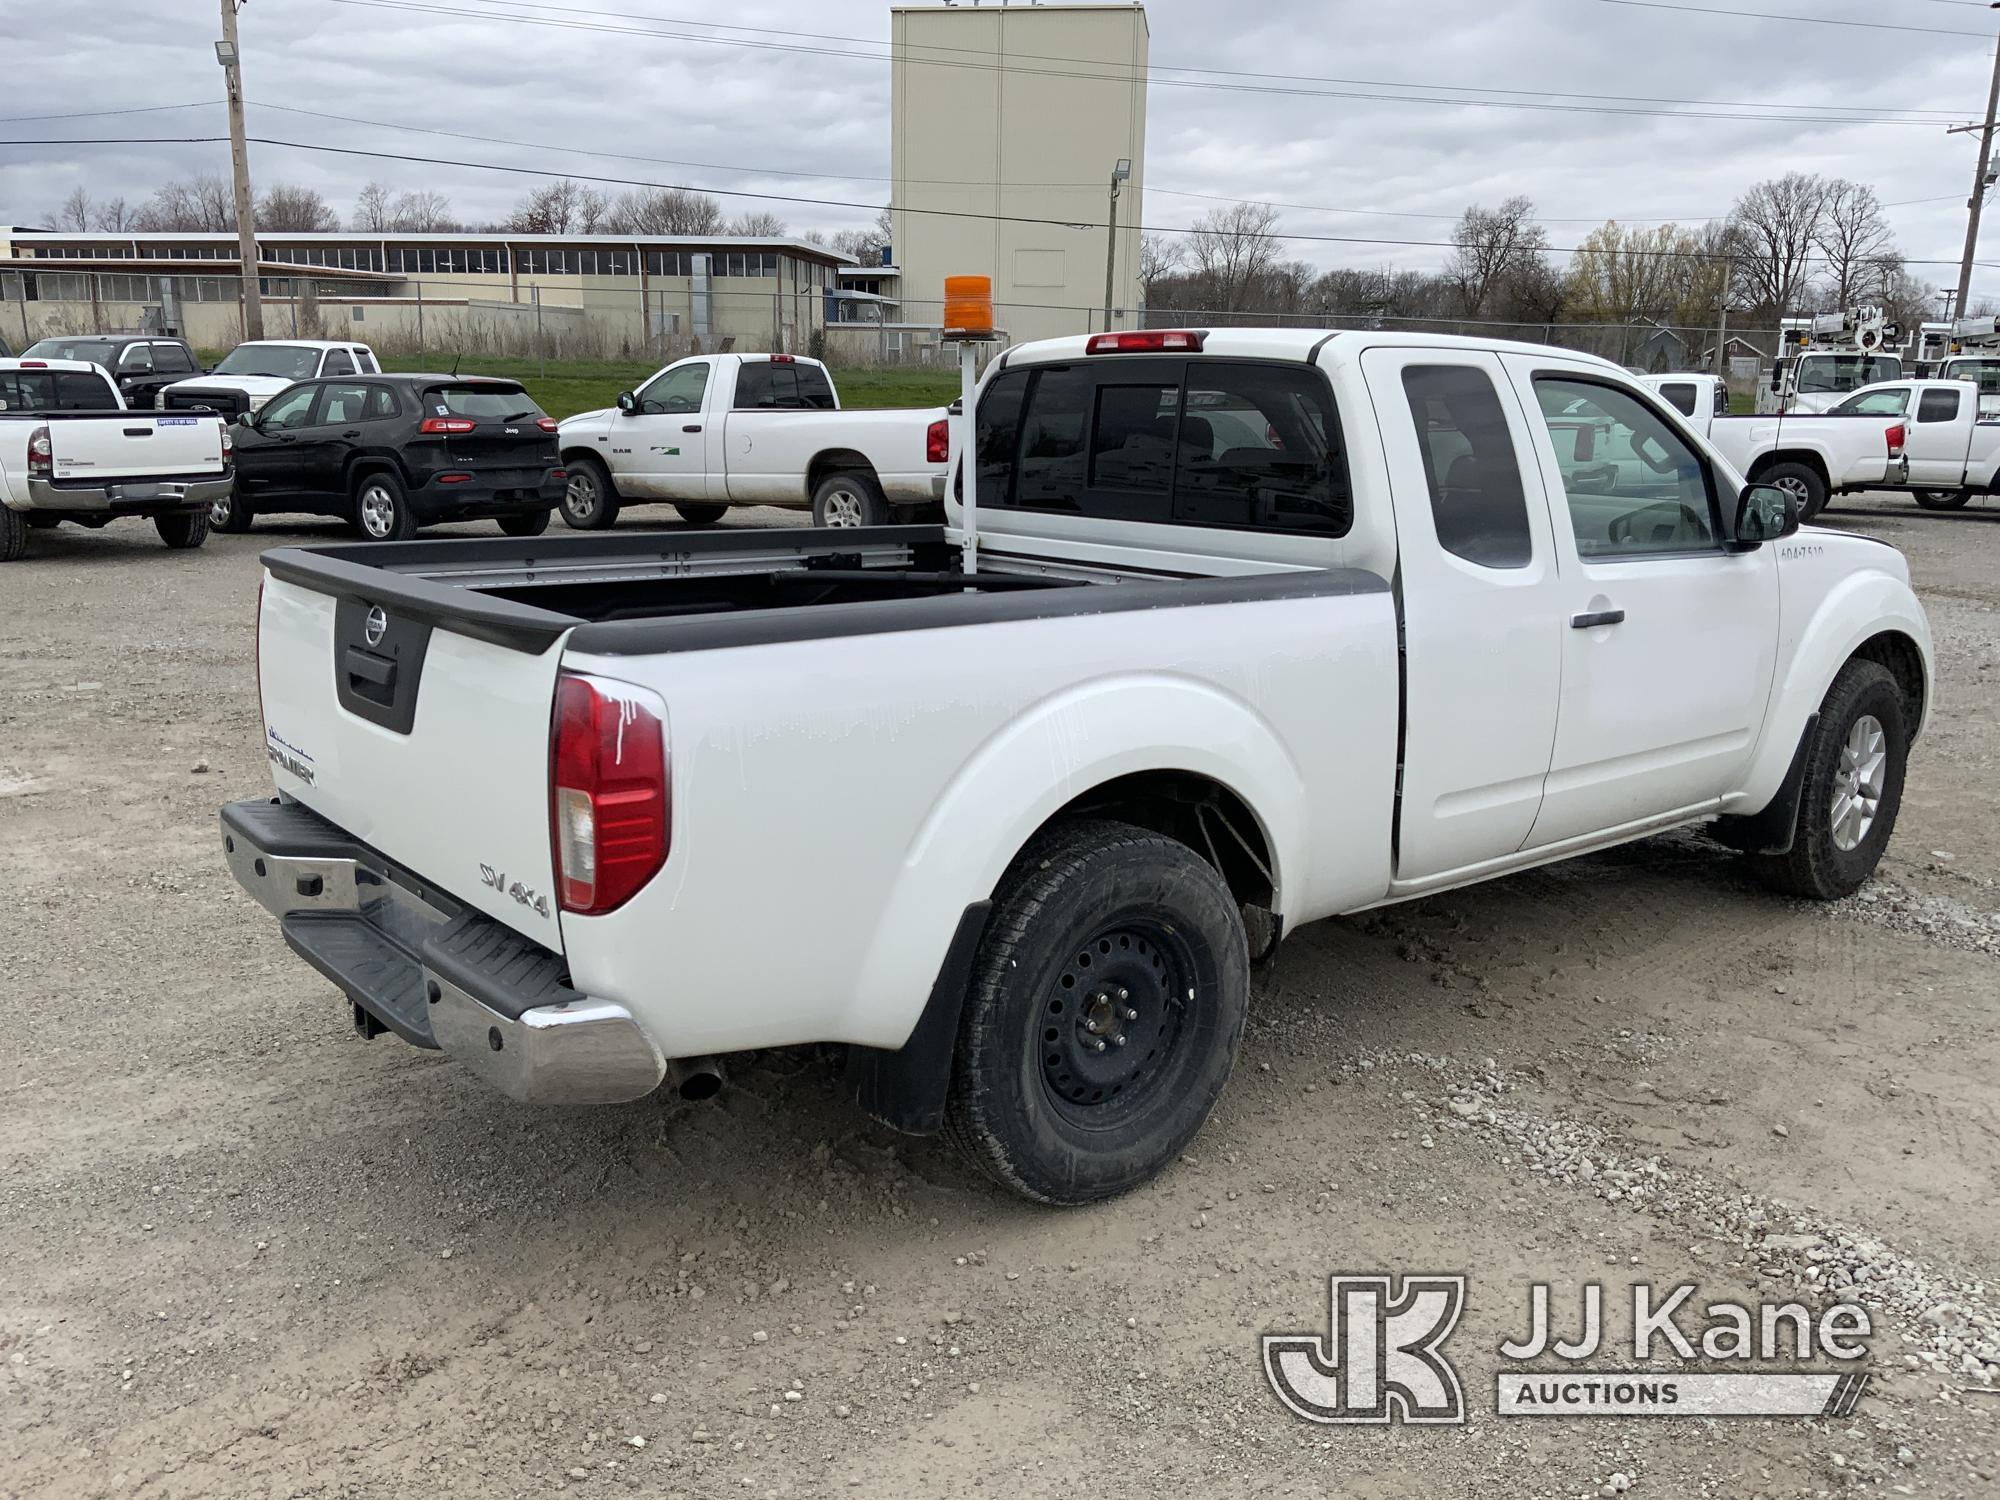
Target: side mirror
627,402
1764,513
244,419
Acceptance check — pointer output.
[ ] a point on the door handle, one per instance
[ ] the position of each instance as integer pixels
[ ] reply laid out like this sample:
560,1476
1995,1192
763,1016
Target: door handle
1595,617
691,427
352,432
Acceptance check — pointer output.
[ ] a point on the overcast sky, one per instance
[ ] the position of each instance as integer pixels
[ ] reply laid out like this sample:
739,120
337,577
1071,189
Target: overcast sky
762,115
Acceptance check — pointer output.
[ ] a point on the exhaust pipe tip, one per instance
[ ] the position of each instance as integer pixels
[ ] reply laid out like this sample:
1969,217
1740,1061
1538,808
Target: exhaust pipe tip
696,1078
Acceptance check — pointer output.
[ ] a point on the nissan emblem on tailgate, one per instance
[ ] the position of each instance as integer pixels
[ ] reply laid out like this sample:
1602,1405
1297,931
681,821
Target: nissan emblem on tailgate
377,626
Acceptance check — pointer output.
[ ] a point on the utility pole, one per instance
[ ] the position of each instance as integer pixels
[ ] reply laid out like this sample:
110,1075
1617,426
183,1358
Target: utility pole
1722,324
1119,174
231,59
1978,199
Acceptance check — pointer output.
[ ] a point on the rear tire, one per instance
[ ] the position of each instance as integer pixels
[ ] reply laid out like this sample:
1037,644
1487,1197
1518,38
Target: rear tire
13,534
701,512
530,525
183,530
1803,483
1105,939
381,510
230,514
849,498
1853,788
590,500
1942,499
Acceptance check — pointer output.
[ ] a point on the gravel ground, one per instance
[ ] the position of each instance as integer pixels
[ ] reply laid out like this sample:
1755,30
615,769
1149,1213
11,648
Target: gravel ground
248,1254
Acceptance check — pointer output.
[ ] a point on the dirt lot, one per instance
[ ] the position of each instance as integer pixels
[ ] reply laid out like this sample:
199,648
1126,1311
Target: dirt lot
248,1254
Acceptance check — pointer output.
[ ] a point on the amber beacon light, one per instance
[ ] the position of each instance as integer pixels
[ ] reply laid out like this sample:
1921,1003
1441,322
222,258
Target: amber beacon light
968,304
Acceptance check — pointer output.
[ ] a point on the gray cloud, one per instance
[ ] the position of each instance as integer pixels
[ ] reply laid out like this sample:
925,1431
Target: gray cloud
779,114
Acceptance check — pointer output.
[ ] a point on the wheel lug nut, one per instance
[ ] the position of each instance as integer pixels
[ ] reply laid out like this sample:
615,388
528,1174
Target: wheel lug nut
1131,1014
1124,994
1099,1045
1118,1040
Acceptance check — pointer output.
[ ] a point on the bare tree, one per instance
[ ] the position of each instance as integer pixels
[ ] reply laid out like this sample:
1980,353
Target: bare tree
75,211
287,206
758,223
1776,224
665,211
372,209
203,203
1229,251
112,215
422,211
593,211
1854,238
1490,245
1159,257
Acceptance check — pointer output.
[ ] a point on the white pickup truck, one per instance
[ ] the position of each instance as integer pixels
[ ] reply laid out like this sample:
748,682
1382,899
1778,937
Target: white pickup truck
1264,626
251,374
1927,438
70,451
752,429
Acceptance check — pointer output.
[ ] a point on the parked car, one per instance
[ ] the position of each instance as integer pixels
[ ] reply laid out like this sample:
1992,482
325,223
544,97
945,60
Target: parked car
391,453
143,365
751,429
1006,833
1926,438
70,451
251,374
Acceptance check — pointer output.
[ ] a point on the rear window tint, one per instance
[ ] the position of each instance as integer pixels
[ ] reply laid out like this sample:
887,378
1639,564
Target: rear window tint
54,390
1937,406
763,384
1680,396
484,403
1474,475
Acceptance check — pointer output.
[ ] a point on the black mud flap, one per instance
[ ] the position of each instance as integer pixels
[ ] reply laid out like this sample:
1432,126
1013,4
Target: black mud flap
1772,830
905,1089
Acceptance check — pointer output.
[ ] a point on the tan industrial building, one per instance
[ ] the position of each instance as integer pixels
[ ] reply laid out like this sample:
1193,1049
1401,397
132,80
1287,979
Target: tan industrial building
574,295
1008,124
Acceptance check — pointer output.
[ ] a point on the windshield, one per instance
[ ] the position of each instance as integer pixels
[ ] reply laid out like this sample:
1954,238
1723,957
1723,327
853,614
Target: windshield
285,361
96,351
484,403
1845,372
1984,373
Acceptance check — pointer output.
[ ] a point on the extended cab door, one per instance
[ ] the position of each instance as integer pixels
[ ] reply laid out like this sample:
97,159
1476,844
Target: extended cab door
1939,439
1481,602
1669,641
659,451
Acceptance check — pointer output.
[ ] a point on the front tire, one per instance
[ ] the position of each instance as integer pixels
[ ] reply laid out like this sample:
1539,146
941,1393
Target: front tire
381,509
590,502
849,498
1105,1008
1942,499
184,530
1853,788
230,514
701,512
528,525
1803,483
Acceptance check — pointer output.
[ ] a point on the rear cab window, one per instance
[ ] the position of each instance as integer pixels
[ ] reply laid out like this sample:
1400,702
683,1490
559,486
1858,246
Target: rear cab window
1679,394
55,390
782,385
482,403
1242,444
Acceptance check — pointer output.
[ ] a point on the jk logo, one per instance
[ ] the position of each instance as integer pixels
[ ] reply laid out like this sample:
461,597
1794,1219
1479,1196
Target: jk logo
1381,1362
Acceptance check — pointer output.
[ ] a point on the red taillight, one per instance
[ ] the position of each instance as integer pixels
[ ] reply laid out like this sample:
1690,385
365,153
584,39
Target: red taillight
547,424
34,364
784,359
1147,341
1895,432
454,479
609,805
446,426
41,454
228,442
559,474
937,441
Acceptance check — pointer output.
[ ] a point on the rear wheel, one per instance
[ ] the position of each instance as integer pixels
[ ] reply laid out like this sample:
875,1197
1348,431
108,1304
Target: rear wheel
1942,499
700,512
13,534
1105,1008
1802,483
231,513
381,509
849,498
1853,788
589,502
528,525
183,530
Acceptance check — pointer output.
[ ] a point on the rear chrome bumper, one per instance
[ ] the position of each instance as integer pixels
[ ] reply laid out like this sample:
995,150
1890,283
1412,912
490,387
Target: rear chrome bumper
413,961
129,496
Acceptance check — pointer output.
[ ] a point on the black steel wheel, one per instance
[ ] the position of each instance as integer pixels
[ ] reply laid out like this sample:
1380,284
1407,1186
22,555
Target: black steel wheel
1106,1005
701,512
1942,499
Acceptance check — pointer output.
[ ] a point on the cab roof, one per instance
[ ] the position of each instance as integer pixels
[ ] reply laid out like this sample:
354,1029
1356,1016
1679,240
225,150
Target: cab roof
1301,344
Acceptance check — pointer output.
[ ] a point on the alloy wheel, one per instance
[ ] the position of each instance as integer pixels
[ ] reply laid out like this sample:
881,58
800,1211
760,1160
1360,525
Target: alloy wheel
1857,782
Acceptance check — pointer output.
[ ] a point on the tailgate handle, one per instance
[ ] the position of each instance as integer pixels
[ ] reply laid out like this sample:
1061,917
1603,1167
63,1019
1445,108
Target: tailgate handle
138,432
378,672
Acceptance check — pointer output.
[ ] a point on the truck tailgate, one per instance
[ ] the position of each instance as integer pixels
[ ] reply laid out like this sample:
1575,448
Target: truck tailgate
135,445
428,745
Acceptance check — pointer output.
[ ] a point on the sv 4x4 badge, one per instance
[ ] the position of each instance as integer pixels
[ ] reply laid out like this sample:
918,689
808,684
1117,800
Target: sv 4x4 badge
498,880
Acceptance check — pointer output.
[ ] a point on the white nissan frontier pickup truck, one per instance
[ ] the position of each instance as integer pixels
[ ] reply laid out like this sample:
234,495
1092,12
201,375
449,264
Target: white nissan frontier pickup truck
1251,627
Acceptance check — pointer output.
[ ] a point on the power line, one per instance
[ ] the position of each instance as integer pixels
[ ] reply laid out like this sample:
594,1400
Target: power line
91,114
1764,15
419,7
1132,72
948,213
